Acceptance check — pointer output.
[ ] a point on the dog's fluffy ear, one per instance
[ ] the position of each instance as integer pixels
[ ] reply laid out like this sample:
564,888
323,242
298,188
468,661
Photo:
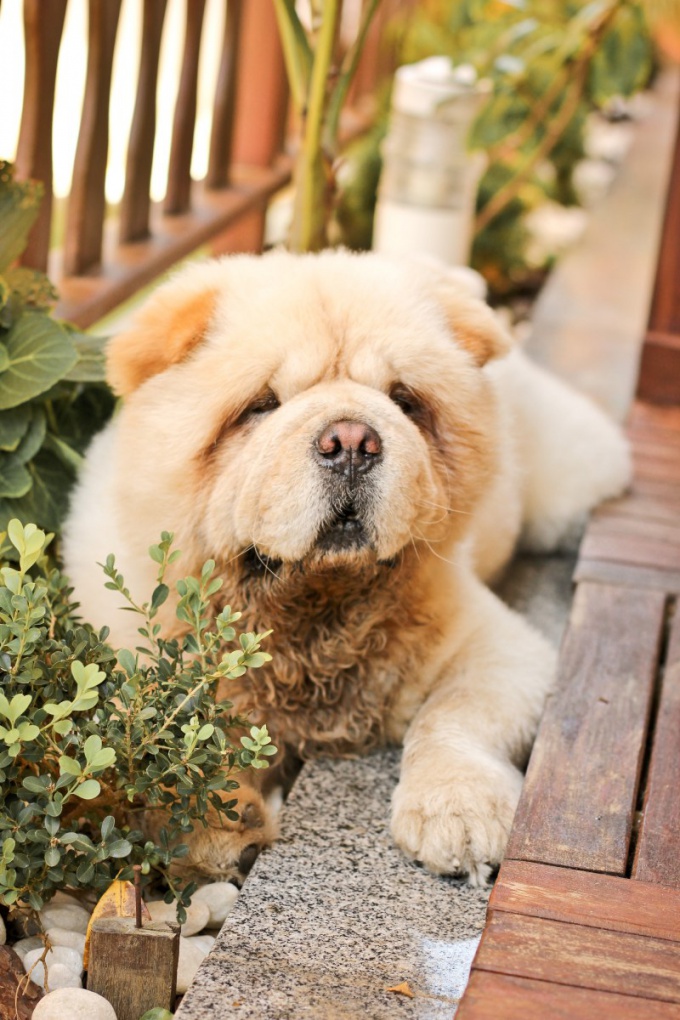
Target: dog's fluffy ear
473,324
461,292
163,333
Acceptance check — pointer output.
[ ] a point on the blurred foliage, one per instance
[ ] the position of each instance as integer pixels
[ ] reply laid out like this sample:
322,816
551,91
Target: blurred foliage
52,392
551,63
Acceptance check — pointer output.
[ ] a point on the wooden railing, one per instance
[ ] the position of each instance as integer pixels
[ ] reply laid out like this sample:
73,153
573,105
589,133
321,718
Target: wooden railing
101,261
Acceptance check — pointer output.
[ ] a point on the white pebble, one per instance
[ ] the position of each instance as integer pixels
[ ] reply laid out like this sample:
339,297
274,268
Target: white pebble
204,941
198,915
66,937
3,932
73,918
220,898
58,976
74,1004
62,955
24,946
191,954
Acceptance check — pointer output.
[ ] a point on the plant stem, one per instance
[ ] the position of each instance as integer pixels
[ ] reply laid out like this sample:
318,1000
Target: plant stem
340,94
308,231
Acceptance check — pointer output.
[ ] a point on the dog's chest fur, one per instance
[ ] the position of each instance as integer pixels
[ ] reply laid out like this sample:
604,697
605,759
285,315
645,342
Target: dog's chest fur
344,645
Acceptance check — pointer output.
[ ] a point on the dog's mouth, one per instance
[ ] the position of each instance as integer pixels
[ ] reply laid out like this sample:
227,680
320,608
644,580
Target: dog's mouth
345,531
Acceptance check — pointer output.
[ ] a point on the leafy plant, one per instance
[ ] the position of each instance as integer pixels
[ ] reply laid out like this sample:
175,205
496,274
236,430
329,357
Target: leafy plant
319,82
52,397
551,64
91,740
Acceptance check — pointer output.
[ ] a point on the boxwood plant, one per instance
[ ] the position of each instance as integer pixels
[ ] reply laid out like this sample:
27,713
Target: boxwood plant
91,737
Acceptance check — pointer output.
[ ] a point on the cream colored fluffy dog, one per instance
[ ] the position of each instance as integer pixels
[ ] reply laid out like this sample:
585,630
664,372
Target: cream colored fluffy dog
353,442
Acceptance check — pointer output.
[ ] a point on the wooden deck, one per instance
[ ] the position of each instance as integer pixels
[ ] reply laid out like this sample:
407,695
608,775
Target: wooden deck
584,919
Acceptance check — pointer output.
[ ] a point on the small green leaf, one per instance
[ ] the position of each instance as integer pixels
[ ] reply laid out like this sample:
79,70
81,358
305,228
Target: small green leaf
121,848
88,790
108,826
69,766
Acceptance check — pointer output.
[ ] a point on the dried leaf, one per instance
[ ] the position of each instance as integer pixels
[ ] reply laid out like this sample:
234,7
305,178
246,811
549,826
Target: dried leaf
117,901
403,989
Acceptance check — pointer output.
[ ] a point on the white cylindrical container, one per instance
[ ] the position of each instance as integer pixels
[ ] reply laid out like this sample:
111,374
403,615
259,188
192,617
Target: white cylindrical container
429,180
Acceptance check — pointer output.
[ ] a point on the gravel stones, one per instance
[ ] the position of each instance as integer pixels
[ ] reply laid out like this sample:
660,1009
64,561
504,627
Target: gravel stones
73,1004
64,967
192,952
72,917
198,915
220,898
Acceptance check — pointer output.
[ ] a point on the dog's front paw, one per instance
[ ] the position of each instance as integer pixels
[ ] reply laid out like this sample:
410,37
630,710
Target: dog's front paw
457,821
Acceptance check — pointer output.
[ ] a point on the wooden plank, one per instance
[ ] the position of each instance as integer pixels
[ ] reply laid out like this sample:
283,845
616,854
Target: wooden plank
627,574
572,954
85,216
178,193
85,299
135,205
659,380
577,805
652,416
657,857
221,136
500,997
43,25
631,545
640,506
586,898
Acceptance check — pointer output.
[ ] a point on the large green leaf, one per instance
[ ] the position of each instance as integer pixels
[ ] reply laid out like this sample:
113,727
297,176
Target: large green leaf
91,364
19,205
623,61
13,426
40,354
47,501
34,438
15,480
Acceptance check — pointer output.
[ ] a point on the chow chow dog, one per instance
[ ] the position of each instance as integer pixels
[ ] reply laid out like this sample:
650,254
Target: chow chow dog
355,442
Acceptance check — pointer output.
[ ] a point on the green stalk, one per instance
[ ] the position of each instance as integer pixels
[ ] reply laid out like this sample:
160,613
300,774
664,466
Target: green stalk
308,231
296,51
339,96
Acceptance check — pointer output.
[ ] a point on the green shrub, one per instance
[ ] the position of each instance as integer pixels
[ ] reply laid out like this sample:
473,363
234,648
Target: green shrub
88,738
52,393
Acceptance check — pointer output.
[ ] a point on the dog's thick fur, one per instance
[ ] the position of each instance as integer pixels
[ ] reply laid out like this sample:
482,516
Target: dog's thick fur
372,576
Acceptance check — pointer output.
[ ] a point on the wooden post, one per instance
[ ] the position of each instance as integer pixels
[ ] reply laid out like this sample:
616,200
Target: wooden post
134,968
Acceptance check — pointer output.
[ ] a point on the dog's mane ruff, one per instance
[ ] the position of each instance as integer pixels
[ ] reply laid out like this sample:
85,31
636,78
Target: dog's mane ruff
343,643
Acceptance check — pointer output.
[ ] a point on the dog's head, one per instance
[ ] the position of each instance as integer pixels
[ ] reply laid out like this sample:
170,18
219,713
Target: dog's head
328,408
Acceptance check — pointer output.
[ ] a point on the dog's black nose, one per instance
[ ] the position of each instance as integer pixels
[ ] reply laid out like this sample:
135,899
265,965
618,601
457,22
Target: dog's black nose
349,447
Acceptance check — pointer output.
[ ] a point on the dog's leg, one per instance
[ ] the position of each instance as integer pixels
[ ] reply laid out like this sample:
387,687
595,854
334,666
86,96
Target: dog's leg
464,751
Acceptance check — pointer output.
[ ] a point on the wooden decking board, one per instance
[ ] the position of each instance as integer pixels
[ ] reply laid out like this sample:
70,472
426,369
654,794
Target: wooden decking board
585,957
654,416
657,857
629,575
577,804
641,507
588,899
631,545
500,997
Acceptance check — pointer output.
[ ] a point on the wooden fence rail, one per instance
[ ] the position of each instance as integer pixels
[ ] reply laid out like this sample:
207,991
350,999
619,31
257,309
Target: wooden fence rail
101,261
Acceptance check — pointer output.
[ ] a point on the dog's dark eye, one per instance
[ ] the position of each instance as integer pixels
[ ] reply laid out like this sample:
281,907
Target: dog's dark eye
413,406
263,404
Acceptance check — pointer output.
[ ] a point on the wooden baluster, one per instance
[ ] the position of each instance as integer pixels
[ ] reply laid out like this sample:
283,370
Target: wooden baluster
260,114
221,137
87,204
178,194
43,25
136,204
